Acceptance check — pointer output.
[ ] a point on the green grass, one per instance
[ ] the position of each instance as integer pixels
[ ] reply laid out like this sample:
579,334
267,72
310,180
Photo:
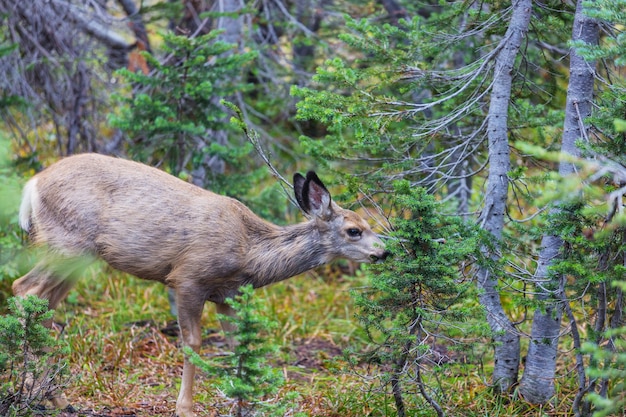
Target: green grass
121,361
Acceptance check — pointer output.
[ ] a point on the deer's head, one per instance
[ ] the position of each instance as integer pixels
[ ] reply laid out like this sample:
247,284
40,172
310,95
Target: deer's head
349,234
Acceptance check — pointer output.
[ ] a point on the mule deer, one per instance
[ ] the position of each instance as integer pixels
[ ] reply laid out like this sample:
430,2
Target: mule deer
155,226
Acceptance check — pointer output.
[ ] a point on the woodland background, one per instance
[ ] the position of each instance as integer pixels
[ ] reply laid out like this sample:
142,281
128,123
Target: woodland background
485,139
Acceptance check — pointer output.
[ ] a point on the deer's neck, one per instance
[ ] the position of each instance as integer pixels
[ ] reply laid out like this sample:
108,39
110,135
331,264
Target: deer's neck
277,253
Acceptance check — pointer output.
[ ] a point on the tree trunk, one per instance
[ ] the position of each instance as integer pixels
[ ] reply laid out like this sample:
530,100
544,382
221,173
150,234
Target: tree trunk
537,384
232,25
233,33
507,346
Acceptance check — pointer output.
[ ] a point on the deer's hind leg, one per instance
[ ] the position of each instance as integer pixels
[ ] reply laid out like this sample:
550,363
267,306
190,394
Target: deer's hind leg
44,283
227,327
53,277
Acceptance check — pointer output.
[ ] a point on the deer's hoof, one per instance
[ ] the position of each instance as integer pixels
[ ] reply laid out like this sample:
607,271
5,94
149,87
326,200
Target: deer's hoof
185,413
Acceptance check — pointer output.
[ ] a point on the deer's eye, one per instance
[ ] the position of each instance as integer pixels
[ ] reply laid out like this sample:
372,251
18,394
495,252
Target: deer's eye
354,232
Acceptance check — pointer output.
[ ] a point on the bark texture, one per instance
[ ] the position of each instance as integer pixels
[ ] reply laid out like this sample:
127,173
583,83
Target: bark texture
507,346
537,384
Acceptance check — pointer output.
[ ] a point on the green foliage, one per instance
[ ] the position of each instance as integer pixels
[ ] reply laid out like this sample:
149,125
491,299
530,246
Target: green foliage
10,237
603,246
613,47
29,372
246,376
174,114
408,100
609,365
611,101
168,11
420,294
10,242
360,100
591,263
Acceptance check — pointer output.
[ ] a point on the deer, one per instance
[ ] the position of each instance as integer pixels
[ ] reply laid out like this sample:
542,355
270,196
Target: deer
204,246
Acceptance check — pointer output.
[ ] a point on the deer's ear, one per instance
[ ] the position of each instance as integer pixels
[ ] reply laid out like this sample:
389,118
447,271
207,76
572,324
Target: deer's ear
315,197
312,196
298,185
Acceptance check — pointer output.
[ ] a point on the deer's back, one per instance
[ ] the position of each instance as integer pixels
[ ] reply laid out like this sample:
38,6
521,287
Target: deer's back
137,218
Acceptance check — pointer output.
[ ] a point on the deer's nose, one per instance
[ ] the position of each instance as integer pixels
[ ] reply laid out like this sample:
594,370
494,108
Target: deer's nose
376,258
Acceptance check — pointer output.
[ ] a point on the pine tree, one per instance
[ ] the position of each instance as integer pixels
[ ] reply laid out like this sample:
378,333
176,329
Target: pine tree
245,376
418,296
174,111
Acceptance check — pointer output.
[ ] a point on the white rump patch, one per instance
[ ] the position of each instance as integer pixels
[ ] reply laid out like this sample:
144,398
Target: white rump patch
30,200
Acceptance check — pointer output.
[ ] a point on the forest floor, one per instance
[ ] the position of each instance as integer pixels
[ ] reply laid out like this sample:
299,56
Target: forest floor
308,359
126,359
125,351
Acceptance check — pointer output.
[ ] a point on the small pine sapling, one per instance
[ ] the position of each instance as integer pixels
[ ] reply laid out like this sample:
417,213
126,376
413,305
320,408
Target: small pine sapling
29,370
245,375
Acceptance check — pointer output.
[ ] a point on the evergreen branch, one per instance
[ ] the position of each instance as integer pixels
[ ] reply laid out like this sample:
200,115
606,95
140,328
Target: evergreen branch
253,137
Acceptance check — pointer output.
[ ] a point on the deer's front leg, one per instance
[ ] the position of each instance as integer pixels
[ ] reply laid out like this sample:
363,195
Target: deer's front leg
189,315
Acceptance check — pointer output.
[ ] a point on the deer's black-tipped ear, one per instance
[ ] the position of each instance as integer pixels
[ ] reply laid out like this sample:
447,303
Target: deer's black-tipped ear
312,196
298,185
315,197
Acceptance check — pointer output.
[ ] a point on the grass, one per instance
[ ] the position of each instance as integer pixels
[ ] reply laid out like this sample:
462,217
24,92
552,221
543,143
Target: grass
123,364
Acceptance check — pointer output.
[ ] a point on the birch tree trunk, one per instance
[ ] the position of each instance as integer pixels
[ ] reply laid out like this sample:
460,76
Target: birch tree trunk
537,384
507,346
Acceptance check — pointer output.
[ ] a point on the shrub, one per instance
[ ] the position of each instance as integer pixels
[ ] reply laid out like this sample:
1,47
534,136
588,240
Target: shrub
29,372
245,375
